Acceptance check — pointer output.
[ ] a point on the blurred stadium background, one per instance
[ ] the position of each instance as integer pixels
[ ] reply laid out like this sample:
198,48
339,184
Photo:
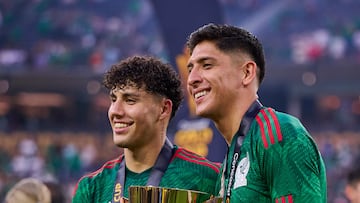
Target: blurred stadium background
53,109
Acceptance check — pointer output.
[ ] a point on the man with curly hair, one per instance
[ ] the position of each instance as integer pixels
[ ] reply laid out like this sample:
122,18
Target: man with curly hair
145,94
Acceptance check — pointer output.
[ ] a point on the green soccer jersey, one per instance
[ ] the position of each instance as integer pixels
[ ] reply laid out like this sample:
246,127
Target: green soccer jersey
279,162
185,171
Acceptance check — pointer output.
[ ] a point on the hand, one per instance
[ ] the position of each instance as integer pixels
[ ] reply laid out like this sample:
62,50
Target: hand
214,200
124,200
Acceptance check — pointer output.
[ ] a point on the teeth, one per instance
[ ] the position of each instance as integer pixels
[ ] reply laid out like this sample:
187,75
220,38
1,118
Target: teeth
120,125
200,94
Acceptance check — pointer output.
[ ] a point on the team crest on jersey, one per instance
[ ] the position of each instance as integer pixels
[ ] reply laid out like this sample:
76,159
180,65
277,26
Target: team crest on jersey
242,171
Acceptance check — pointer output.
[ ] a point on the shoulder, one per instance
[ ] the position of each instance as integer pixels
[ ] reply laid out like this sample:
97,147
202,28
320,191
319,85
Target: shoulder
275,127
281,140
108,167
187,156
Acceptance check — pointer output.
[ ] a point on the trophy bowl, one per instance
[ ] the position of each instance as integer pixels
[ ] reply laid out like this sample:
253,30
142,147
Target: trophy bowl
146,194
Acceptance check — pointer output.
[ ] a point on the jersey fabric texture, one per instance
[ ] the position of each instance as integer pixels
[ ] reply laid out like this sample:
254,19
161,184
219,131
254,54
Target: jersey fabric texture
186,170
279,163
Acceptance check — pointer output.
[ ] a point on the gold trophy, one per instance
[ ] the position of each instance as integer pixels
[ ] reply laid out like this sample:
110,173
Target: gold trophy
151,194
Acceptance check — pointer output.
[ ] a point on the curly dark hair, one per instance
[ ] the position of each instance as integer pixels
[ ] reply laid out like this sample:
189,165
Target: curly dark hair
146,72
229,38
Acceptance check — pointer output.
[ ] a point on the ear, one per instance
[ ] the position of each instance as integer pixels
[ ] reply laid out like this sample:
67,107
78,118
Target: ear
249,70
349,192
166,108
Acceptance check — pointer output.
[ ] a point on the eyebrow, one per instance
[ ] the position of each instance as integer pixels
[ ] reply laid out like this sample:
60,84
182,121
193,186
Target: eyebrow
126,93
200,60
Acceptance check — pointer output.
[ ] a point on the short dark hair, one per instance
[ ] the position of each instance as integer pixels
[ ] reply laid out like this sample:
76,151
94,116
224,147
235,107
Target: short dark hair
155,76
230,38
353,176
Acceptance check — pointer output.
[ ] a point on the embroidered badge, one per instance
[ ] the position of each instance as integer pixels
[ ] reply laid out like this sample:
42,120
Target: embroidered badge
242,171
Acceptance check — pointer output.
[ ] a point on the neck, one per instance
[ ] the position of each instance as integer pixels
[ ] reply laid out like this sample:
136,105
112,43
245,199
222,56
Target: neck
228,129
229,124
142,159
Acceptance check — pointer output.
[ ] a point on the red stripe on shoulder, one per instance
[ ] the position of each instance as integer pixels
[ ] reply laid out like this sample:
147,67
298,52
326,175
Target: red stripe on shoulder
108,164
277,125
267,120
290,199
195,158
262,130
285,199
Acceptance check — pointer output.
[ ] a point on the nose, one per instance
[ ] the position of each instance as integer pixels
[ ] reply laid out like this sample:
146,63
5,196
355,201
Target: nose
194,77
116,109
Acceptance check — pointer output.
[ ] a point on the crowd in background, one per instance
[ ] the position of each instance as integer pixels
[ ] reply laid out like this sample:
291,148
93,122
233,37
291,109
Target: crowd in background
55,158
73,34
300,31
89,35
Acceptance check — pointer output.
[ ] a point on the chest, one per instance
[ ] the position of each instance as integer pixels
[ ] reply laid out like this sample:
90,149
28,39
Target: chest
243,174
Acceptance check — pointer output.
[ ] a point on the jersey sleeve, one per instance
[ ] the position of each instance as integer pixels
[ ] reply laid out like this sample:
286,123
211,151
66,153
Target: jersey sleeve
82,191
292,166
98,185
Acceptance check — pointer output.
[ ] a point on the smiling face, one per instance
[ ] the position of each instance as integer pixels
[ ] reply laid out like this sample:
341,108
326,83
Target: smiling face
214,81
136,116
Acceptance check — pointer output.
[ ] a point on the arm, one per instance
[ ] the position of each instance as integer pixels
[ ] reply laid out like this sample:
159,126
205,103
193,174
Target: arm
82,192
294,169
